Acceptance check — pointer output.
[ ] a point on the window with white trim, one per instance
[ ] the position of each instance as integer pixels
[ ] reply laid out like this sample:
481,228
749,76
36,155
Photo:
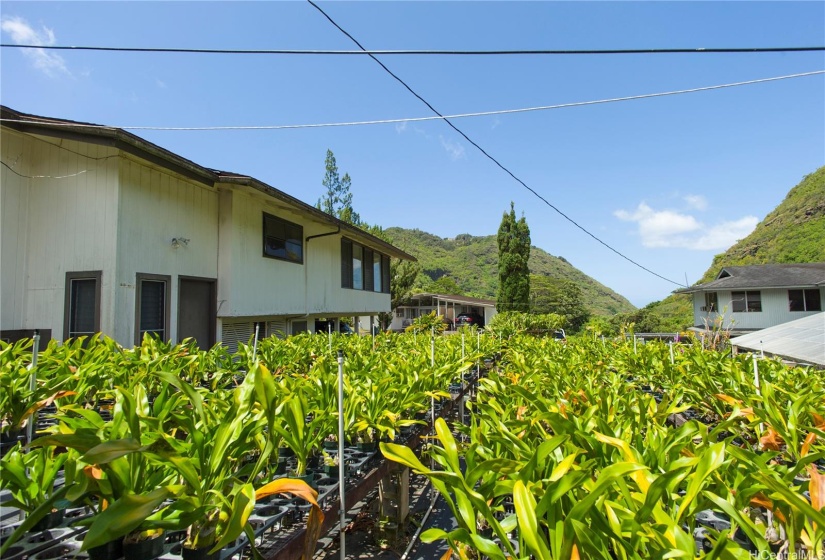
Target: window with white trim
804,300
747,302
711,302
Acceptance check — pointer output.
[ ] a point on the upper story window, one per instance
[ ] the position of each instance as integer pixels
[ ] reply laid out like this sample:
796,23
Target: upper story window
283,240
804,300
750,301
364,269
711,302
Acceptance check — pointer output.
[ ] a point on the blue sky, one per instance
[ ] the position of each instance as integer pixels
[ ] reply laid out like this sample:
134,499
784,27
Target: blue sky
670,181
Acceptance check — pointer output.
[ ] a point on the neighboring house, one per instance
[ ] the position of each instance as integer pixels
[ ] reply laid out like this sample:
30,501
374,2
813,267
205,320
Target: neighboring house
104,231
448,306
801,341
749,298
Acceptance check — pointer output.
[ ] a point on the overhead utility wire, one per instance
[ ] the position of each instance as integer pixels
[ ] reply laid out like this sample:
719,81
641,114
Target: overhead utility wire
420,119
491,158
698,50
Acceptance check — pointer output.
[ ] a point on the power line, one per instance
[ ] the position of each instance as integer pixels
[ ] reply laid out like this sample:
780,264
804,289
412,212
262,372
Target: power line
491,158
414,52
422,119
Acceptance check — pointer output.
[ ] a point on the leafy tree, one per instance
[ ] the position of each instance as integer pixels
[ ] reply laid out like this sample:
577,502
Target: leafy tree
444,285
560,296
644,320
509,323
513,253
338,199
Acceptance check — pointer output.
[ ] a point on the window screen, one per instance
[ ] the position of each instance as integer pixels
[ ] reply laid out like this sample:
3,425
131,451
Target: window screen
153,308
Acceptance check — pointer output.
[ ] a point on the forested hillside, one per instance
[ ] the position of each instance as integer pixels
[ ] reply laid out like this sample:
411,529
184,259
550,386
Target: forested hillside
472,262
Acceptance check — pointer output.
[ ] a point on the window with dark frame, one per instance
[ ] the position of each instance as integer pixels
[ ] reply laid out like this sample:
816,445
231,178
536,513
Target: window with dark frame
747,302
283,240
82,304
377,277
152,306
346,263
357,267
804,300
363,268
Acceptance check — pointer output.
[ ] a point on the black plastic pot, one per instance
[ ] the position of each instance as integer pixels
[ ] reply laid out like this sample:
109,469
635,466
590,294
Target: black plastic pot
109,551
368,446
144,550
199,554
285,452
51,521
281,466
330,445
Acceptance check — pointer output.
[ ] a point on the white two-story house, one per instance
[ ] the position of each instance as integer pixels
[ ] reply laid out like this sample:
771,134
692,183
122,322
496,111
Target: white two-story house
105,231
750,298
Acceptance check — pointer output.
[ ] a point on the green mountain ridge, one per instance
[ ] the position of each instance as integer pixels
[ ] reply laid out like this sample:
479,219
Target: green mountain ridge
472,262
794,232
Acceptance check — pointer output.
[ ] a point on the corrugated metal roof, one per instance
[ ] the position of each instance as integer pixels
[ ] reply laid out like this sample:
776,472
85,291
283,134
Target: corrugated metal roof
800,275
802,340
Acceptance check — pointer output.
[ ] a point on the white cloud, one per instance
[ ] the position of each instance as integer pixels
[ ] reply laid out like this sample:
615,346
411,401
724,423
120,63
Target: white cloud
22,33
160,83
670,229
696,202
401,127
455,149
722,236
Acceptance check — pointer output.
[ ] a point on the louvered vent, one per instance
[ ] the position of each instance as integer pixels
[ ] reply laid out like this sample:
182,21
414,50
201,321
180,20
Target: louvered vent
233,333
276,328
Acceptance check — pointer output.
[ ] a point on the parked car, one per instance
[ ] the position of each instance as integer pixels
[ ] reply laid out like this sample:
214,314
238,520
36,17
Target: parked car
322,327
469,319
559,335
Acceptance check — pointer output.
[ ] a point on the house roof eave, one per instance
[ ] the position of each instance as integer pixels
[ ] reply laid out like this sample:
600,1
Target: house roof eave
130,143
316,215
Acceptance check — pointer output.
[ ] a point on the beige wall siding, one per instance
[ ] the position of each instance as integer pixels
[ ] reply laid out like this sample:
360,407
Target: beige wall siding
65,221
14,202
252,285
256,286
155,207
326,293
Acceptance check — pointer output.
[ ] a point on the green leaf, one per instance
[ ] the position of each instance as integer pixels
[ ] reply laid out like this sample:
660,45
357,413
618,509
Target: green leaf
108,451
525,507
403,455
447,440
710,460
123,516
242,505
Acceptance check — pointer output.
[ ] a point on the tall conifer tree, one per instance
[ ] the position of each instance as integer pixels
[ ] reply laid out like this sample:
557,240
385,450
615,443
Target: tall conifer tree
513,254
338,199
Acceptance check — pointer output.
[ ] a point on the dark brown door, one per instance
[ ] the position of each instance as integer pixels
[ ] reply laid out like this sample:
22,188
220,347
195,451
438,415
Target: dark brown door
196,311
